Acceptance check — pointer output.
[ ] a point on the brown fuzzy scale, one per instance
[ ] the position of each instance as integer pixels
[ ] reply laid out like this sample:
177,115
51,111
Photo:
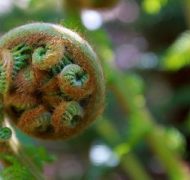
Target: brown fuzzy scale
40,95
41,77
22,84
52,101
50,87
29,120
60,121
7,63
20,101
51,92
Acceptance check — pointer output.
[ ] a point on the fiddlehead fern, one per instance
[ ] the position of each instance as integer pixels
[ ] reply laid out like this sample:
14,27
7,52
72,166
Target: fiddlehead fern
51,82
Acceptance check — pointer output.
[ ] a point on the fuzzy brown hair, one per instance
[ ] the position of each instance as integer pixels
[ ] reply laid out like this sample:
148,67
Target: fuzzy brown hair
51,81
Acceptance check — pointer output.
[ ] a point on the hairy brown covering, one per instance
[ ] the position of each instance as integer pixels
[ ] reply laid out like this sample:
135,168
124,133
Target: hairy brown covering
50,80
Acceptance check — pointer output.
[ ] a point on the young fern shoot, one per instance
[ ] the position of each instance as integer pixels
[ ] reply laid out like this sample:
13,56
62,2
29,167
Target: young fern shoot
51,82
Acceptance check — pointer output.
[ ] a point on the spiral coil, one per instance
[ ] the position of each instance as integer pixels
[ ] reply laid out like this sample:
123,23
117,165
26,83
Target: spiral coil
51,82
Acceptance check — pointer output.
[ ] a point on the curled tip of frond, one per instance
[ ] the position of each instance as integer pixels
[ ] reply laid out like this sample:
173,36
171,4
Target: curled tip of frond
46,57
5,133
67,115
75,82
50,80
36,120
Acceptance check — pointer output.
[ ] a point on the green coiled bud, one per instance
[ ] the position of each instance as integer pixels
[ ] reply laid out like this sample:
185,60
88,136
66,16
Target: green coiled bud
47,72
5,133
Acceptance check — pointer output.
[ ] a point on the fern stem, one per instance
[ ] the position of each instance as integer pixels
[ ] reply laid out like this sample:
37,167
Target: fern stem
19,151
129,161
133,103
132,165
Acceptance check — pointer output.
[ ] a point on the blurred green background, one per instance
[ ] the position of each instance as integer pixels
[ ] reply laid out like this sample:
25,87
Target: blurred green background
144,48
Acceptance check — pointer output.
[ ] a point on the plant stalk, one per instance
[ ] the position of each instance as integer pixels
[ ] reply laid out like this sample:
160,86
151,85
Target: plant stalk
133,103
19,151
128,161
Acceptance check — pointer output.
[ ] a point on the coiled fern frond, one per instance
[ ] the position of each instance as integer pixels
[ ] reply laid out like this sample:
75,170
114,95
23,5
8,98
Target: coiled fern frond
51,81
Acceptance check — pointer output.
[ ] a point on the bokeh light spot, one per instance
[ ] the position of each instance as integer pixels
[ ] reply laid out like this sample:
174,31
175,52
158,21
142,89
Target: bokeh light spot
92,20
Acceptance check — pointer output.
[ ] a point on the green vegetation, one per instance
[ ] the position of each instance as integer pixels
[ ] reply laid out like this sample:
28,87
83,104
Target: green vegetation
144,131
